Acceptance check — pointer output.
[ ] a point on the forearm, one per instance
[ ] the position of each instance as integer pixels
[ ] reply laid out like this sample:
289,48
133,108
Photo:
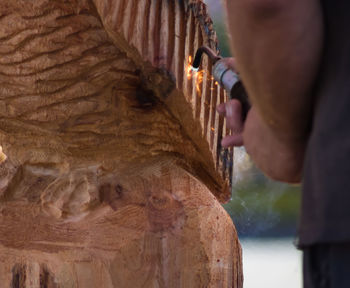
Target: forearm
277,45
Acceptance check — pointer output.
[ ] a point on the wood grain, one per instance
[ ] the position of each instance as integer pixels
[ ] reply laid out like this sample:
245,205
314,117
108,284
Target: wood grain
114,168
175,31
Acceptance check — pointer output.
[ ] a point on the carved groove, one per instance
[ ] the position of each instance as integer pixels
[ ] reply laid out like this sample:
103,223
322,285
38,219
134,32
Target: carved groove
18,276
46,278
112,151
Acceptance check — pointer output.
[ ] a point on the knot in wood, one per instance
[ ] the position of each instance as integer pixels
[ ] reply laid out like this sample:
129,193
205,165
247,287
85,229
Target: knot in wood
165,212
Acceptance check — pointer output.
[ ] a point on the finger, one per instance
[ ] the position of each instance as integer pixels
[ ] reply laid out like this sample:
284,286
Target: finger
221,109
233,113
232,140
231,62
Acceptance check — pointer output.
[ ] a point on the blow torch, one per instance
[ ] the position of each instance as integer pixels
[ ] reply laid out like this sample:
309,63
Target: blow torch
225,76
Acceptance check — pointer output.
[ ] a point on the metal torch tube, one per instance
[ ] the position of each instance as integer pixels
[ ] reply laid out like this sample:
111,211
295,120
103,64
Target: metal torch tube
224,75
228,79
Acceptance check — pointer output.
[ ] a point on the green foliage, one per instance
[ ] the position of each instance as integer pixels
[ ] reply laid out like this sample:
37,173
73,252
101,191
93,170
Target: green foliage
221,32
262,207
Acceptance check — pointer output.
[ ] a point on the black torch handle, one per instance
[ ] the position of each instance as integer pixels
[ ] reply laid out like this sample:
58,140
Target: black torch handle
238,92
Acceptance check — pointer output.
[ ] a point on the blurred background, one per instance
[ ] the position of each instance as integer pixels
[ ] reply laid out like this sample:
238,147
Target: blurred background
265,212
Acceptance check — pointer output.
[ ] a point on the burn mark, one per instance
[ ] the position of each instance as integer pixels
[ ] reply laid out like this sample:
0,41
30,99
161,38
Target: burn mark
118,191
46,278
225,156
18,276
146,99
102,192
111,194
156,85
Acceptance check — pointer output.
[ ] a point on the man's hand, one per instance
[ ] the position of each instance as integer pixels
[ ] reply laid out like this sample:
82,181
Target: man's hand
279,160
278,47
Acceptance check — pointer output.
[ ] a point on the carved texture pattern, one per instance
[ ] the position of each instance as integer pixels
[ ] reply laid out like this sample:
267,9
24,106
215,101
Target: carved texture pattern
112,153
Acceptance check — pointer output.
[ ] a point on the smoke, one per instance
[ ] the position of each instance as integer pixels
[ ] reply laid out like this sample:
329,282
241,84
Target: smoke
242,165
260,206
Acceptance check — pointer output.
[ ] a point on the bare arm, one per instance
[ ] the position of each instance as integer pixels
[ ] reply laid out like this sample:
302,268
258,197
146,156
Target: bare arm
277,45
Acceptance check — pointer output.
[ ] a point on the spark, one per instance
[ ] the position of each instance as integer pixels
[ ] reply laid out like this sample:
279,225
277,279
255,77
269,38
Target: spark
189,68
199,80
198,76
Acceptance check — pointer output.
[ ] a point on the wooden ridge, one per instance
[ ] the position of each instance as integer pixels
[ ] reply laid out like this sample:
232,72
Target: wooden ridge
172,31
114,168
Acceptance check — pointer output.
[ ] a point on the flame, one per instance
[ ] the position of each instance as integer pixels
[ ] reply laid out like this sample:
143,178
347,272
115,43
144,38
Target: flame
189,68
199,80
198,76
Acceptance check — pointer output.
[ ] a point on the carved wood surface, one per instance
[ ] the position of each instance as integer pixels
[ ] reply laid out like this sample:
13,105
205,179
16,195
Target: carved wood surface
113,154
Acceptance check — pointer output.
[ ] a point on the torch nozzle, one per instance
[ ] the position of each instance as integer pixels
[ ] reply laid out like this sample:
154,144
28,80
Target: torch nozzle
198,57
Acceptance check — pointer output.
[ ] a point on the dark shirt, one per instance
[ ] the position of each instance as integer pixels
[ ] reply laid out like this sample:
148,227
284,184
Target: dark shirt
325,215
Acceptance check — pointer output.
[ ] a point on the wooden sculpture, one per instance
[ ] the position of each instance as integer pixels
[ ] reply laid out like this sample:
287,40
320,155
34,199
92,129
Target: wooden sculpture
113,171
